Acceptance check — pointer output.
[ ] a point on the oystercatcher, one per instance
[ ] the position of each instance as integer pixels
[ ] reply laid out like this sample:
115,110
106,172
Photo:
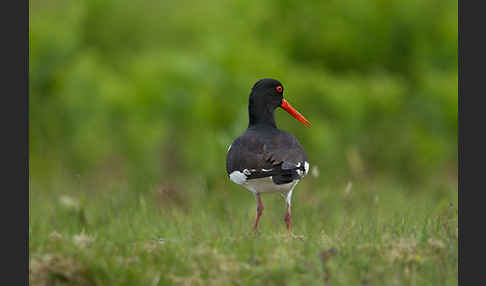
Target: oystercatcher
265,159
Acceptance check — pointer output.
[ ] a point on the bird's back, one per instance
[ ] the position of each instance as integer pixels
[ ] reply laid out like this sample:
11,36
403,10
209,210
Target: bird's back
266,148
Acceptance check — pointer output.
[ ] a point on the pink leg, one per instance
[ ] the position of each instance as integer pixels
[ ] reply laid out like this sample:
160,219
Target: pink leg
287,217
259,210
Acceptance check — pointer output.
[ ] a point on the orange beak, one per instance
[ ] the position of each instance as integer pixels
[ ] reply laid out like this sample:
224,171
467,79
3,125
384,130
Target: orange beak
285,105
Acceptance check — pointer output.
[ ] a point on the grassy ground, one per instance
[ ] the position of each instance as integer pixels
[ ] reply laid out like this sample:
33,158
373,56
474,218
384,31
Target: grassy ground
100,232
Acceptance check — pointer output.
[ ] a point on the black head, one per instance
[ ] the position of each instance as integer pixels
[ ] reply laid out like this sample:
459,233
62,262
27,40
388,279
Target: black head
266,95
268,90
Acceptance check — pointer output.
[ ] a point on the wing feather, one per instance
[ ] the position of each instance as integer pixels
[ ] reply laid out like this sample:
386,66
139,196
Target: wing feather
279,155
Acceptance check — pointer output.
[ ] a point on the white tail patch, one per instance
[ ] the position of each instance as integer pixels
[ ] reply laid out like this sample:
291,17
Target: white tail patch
237,177
306,169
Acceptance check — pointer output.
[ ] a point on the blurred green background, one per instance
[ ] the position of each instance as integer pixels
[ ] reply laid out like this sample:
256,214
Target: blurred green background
151,91
133,105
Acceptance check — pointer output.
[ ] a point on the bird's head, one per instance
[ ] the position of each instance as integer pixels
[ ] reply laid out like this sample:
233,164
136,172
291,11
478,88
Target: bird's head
266,95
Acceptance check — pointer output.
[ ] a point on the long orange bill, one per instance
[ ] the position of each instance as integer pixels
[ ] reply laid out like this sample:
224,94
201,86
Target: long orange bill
285,105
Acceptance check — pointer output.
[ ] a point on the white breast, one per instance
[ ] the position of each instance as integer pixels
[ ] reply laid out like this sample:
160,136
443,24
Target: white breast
266,185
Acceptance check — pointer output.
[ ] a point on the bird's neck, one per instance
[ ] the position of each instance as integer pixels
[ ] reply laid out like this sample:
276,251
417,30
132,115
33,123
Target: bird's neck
260,114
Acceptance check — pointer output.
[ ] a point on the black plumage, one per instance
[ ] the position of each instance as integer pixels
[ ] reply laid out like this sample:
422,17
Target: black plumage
264,147
263,151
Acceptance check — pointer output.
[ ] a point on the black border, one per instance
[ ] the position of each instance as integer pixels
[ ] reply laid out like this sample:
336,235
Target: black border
471,141
14,213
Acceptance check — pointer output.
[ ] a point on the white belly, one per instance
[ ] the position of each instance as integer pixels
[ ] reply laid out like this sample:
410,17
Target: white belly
266,185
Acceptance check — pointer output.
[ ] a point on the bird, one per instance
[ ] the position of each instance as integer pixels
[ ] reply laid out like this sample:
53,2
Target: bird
265,159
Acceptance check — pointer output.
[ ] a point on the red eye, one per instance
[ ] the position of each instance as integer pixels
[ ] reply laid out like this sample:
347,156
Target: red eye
279,89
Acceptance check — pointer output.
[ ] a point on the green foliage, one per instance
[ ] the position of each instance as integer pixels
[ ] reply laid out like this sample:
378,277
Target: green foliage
163,86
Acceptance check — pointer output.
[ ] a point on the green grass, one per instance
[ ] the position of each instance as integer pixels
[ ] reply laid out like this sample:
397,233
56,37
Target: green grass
106,232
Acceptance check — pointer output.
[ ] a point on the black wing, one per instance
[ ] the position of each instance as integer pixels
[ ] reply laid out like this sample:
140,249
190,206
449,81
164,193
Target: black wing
273,153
